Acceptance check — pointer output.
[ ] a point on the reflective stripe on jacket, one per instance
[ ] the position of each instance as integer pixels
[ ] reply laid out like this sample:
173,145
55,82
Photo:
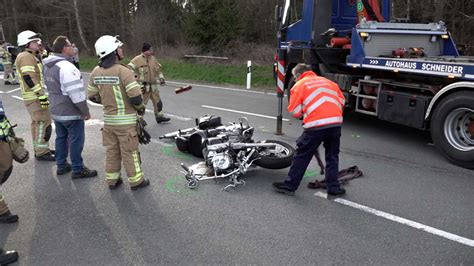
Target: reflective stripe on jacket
317,99
115,86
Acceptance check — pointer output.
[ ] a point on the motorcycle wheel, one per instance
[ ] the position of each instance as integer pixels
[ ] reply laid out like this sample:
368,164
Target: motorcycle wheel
278,158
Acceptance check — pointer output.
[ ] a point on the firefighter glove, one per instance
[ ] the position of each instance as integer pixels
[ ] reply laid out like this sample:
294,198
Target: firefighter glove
143,136
43,99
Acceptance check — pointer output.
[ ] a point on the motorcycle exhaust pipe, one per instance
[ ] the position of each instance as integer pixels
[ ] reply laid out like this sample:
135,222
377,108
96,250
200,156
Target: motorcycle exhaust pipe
186,168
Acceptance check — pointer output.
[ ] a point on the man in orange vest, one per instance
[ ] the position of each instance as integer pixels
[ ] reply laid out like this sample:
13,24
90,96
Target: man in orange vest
320,102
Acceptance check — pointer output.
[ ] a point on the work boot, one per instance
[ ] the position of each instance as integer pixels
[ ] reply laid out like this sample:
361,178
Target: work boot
46,157
117,184
337,192
280,187
64,170
7,257
7,82
84,173
8,218
160,119
144,183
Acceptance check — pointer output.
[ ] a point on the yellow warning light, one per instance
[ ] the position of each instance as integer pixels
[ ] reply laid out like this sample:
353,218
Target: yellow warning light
451,76
445,36
396,70
364,34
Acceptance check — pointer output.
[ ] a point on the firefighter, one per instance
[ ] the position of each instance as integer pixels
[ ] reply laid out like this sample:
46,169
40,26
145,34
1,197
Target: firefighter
148,72
114,86
6,167
320,102
30,73
8,75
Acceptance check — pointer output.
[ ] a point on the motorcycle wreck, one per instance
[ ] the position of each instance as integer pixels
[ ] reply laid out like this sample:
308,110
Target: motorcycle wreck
228,151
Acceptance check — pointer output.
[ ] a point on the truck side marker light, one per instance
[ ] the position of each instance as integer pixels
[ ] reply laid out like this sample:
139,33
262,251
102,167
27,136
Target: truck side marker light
445,36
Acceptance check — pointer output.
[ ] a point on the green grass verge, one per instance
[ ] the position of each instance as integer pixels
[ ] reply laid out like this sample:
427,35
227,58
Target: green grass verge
262,76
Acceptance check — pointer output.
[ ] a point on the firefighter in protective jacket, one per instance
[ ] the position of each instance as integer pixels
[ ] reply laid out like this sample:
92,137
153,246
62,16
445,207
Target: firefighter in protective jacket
7,142
30,73
148,72
8,75
114,86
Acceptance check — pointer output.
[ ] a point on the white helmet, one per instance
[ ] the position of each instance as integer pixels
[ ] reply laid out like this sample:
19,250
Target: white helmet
27,36
106,45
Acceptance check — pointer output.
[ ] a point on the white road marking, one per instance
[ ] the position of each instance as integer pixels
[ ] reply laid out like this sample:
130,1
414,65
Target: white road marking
13,90
182,118
241,112
391,217
17,97
221,88
213,87
93,103
159,142
93,122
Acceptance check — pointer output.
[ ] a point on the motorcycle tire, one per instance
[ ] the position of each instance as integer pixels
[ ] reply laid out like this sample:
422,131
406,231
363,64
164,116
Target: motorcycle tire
182,144
271,160
197,143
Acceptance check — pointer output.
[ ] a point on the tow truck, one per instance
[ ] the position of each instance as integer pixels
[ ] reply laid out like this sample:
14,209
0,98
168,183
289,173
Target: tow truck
406,73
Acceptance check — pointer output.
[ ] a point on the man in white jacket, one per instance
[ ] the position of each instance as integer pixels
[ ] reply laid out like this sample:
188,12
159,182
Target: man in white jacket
68,107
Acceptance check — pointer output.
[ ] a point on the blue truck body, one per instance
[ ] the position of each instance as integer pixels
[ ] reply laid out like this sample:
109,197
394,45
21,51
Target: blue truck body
406,73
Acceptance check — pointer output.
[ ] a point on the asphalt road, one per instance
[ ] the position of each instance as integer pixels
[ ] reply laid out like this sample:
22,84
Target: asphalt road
411,207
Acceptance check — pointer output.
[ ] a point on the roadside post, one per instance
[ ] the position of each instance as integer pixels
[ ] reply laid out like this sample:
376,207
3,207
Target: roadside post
280,81
249,74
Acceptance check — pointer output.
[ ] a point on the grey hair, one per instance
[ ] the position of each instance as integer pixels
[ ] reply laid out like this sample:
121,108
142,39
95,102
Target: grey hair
300,69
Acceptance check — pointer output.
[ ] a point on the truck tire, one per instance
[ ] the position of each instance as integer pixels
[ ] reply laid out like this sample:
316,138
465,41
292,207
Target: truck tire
279,158
452,128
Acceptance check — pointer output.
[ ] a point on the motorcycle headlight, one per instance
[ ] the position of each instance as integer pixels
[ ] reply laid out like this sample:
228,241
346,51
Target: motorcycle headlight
221,161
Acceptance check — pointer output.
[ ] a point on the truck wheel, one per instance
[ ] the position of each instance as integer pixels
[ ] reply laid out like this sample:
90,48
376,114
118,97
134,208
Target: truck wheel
452,128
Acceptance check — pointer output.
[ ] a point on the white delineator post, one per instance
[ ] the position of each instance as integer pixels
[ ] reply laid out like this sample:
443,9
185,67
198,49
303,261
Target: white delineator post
249,74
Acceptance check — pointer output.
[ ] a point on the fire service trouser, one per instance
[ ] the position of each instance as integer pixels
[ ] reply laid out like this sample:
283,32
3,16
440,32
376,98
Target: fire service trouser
121,144
151,91
6,167
8,74
40,127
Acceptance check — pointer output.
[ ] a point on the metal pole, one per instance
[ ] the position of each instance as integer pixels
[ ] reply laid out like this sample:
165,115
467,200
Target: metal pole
279,127
249,74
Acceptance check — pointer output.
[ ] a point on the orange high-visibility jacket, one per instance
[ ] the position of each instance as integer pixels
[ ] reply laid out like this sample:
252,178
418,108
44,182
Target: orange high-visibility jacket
317,99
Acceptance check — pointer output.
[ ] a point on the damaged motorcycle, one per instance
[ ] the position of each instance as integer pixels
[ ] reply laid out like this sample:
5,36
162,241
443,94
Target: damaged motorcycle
228,151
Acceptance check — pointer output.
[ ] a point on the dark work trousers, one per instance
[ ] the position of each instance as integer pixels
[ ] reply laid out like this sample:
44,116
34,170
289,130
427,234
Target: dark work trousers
306,146
70,138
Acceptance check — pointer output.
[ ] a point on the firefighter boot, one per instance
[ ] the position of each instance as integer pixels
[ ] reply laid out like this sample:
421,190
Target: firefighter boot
144,183
46,157
8,256
162,118
116,184
8,218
